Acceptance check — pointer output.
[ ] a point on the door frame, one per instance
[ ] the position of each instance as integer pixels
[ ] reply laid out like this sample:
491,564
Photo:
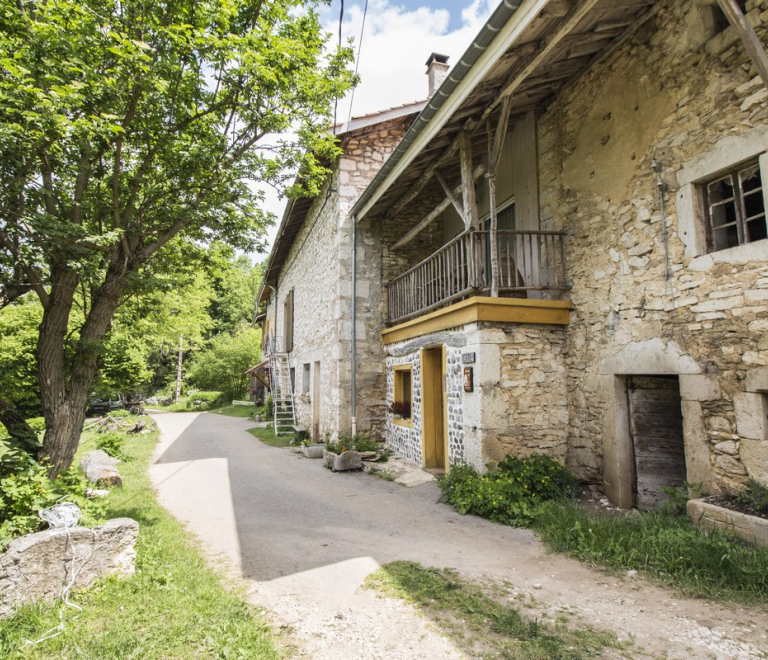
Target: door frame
427,376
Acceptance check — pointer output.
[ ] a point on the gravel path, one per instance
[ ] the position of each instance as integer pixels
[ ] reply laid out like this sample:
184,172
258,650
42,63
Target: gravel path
303,540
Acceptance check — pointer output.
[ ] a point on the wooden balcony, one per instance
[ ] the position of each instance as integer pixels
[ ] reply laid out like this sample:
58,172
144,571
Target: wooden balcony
530,264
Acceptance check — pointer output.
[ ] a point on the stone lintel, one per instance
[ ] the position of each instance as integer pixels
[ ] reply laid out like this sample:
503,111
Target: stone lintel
482,308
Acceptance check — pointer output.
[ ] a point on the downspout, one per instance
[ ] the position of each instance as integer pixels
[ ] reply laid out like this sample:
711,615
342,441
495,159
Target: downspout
353,348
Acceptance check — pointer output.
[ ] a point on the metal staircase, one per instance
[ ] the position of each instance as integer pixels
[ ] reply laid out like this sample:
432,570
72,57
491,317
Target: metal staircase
282,394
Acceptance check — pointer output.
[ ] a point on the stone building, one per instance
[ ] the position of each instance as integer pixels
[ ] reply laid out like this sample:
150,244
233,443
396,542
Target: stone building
568,253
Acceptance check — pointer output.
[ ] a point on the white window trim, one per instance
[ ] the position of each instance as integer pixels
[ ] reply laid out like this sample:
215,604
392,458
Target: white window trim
691,212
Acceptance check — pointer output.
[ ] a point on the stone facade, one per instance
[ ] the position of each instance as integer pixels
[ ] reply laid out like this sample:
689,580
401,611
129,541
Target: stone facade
518,402
318,271
681,92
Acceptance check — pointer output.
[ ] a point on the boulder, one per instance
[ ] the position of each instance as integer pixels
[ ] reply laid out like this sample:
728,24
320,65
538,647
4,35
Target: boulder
100,468
39,566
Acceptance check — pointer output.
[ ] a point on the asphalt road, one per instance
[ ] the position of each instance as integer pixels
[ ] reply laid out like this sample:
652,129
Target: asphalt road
305,538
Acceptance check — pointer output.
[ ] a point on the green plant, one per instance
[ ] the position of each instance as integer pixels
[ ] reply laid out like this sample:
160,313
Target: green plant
754,496
119,414
25,489
112,442
37,424
669,548
269,407
349,442
678,496
510,492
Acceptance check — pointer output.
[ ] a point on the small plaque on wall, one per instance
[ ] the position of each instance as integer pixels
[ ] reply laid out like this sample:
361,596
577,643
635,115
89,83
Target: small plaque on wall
468,379
468,358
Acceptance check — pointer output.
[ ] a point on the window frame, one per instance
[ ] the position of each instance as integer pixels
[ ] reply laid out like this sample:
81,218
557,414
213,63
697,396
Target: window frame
738,199
399,372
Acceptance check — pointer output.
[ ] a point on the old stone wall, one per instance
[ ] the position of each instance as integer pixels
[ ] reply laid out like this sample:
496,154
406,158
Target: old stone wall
681,92
518,403
318,271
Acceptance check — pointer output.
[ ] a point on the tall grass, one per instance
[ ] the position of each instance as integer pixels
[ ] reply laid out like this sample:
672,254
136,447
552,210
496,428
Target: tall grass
666,547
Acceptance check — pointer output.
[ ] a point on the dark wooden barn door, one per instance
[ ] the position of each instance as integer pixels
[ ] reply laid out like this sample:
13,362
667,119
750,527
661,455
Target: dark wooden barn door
656,426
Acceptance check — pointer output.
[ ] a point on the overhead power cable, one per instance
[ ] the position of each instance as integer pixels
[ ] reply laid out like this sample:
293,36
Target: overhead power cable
357,61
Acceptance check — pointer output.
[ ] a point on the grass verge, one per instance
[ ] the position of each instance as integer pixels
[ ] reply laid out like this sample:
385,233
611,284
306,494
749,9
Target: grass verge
268,437
173,607
481,624
665,547
234,411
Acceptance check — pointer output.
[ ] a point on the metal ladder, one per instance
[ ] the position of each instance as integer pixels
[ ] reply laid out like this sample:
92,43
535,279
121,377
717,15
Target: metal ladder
282,394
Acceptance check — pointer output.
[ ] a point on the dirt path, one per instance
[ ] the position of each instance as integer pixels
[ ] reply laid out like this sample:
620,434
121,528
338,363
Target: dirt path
304,539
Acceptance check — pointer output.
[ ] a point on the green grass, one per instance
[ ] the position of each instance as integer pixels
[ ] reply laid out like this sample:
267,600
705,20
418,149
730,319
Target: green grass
481,624
173,607
667,548
234,411
268,437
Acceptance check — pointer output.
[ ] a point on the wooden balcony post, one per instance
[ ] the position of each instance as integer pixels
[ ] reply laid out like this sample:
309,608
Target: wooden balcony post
467,182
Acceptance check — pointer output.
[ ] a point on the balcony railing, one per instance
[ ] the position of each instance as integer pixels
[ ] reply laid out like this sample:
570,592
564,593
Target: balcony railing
530,265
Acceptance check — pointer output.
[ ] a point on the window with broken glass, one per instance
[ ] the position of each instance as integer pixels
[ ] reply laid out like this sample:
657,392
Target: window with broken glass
735,208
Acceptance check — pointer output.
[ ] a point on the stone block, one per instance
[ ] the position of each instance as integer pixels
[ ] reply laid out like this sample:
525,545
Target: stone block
754,455
700,387
757,380
38,566
707,517
750,415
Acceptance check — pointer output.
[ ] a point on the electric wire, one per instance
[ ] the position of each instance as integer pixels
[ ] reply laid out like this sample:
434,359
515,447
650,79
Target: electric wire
357,61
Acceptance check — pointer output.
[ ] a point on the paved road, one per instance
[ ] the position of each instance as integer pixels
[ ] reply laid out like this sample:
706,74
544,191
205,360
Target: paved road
302,532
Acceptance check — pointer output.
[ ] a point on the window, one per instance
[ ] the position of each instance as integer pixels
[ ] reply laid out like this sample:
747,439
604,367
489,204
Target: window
735,208
305,380
403,395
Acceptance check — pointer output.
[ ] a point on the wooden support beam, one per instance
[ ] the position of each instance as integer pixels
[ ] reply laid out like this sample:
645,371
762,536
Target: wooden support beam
449,193
747,35
479,171
498,139
529,64
470,215
424,179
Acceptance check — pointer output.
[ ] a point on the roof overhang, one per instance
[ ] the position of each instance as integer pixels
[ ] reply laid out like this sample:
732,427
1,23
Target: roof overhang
528,50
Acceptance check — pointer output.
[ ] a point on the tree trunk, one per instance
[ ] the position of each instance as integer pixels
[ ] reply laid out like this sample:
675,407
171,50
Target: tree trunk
18,428
65,382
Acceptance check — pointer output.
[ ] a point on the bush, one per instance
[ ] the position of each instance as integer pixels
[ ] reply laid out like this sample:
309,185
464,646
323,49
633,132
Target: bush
348,442
509,493
25,489
206,400
37,424
113,443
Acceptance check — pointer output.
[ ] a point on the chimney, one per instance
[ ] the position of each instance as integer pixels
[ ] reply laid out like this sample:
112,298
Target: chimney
437,70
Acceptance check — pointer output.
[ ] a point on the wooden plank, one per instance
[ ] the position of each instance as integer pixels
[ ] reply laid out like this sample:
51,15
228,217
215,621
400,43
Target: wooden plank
422,181
470,215
747,35
479,171
530,63
449,194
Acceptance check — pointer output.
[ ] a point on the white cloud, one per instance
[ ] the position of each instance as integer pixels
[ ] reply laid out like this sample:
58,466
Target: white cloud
396,44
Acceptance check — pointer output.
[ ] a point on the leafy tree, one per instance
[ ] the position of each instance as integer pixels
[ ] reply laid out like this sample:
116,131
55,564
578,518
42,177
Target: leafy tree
222,365
237,287
128,140
19,323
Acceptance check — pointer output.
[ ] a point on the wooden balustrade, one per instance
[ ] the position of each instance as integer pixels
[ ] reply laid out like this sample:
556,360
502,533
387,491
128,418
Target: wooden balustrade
531,264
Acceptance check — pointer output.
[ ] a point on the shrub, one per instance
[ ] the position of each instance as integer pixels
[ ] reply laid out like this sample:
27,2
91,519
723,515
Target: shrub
25,489
348,442
113,443
509,493
206,400
37,424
